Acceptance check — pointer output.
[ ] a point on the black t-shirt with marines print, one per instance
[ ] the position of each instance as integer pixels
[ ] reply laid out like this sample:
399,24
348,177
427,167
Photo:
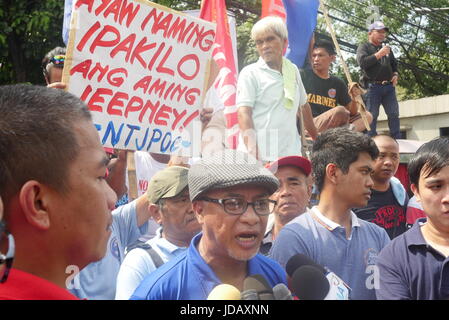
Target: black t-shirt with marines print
324,94
384,210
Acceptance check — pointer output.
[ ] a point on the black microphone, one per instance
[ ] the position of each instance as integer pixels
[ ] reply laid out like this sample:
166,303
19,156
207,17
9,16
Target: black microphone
299,260
281,292
309,283
384,44
338,290
258,284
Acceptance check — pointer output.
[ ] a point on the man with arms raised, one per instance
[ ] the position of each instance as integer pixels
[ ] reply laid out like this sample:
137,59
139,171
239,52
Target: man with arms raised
330,233
170,206
230,195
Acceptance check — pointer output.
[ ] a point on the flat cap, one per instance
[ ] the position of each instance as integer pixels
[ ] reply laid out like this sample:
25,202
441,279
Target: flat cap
167,183
226,169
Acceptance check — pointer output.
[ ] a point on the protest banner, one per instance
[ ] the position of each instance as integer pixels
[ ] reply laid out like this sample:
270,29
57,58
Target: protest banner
142,69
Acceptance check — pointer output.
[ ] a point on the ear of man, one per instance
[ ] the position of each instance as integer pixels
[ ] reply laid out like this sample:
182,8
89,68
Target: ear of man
35,199
155,212
332,173
198,208
415,191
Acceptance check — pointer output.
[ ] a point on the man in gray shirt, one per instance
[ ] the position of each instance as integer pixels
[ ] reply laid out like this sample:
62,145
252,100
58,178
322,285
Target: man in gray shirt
330,233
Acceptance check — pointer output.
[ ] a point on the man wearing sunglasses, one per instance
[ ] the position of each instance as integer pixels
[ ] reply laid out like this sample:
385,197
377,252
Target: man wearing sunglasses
230,195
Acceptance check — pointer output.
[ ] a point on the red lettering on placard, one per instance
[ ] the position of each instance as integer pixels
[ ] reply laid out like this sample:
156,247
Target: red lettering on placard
82,67
89,4
194,58
160,68
100,39
134,105
102,6
143,84
86,93
116,101
117,81
141,47
125,46
120,9
178,117
97,97
162,113
102,71
190,118
87,36
149,106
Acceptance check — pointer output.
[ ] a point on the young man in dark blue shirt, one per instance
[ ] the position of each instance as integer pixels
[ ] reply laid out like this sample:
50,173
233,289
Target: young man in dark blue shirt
415,266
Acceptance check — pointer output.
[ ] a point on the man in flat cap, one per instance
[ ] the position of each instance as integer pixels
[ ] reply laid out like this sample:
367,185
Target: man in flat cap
230,195
170,206
380,77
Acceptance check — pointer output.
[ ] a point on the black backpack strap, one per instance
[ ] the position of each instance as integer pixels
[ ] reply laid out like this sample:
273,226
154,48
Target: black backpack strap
157,260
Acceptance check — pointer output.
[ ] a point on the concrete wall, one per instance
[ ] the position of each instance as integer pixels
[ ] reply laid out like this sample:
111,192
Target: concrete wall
421,118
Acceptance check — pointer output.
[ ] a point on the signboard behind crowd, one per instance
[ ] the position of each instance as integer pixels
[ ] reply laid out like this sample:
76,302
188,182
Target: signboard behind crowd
142,70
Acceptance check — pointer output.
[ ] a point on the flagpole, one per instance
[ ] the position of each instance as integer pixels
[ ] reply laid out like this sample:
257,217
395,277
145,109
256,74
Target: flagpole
358,98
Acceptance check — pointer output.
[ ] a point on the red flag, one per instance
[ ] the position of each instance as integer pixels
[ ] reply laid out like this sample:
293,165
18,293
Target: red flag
273,8
225,83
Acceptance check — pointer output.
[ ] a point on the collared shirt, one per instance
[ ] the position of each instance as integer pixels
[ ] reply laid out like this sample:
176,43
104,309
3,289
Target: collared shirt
189,277
331,225
138,264
410,269
325,242
262,89
25,286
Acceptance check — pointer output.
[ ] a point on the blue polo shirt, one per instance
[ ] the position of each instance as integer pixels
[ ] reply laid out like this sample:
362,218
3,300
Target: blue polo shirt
410,269
352,259
189,277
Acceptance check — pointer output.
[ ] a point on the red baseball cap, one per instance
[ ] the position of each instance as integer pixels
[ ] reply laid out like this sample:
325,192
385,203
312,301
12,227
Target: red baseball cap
296,161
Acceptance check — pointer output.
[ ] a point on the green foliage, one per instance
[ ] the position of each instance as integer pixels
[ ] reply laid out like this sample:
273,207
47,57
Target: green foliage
29,29
420,40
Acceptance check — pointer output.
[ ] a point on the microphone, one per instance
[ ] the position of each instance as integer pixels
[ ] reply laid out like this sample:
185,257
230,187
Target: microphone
224,292
258,284
299,260
249,294
384,44
338,289
281,292
309,283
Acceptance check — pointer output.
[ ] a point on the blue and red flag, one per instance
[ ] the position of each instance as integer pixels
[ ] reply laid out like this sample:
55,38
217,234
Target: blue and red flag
301,22
301,16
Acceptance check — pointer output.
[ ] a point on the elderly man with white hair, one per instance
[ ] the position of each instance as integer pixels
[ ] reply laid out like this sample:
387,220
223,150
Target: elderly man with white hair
270,97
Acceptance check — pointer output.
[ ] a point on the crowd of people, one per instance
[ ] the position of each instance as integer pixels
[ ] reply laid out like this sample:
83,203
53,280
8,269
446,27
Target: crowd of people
233,214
